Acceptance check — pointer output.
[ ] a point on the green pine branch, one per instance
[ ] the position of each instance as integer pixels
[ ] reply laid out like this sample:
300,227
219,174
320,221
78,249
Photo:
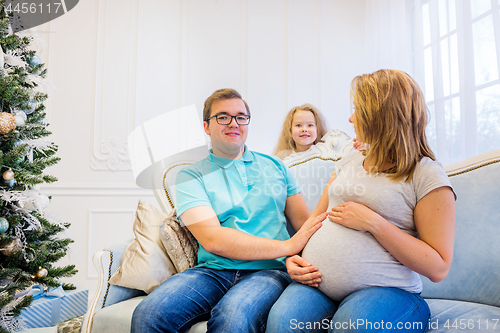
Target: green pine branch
13,156
36,167
23,304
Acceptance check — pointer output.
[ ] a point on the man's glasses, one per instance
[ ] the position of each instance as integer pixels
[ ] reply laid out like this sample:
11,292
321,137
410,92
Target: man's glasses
225,119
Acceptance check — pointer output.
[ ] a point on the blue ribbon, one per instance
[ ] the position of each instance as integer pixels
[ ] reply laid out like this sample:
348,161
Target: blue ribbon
38,291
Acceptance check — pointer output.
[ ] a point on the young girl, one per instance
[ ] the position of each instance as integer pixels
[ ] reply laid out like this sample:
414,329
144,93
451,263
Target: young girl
304,126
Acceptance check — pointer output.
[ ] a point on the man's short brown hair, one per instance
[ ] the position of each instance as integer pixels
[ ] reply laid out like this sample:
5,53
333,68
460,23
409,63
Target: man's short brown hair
220,95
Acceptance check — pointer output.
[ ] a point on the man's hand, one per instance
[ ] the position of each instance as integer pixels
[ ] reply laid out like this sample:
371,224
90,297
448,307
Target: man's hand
301,271
234,244
299,240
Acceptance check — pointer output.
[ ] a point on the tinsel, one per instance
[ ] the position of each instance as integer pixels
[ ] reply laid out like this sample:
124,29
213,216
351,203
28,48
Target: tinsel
33,222
41,82
21,198
14,60
34,79
40,145
9,31
22,238
7,319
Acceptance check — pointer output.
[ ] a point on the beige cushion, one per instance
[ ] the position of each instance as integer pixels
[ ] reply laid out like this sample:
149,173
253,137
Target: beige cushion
181,246
145,264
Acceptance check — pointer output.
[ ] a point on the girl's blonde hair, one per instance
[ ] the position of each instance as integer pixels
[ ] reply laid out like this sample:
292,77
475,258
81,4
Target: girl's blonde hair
285,141
391,116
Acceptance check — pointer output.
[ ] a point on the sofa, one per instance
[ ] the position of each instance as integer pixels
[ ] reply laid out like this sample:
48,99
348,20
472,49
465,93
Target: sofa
468,299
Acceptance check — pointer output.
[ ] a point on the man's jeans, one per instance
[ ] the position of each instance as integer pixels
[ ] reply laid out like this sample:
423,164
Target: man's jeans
306,309
231,301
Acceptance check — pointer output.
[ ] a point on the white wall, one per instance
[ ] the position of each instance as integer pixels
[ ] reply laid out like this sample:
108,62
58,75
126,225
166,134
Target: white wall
118,63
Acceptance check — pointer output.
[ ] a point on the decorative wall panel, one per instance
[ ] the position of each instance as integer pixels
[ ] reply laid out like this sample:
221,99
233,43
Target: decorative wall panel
107,227
115,83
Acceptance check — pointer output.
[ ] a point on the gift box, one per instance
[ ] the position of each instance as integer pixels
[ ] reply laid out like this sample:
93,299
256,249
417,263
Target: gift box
52,329
50,310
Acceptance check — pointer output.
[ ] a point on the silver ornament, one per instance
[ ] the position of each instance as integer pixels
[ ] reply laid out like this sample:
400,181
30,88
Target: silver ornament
42,272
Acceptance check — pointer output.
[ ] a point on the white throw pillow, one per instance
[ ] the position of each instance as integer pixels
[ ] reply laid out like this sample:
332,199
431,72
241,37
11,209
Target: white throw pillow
145,264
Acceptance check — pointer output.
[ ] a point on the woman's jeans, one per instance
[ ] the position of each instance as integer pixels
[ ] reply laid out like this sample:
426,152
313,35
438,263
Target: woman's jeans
306,309
231,301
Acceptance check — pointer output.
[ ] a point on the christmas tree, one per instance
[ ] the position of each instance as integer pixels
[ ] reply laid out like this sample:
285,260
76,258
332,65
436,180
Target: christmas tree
29,241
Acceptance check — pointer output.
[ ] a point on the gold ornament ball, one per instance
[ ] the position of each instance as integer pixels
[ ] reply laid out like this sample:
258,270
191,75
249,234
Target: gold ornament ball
8,175
42,272
10,248
7,123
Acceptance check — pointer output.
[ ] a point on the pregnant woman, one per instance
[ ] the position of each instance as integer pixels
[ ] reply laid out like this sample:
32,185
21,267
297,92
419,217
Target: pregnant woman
391,217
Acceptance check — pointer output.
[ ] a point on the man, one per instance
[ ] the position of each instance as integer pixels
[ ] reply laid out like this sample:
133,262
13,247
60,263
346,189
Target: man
234,202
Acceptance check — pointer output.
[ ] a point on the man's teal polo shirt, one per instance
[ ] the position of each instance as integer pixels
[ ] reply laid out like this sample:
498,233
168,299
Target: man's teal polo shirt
247,194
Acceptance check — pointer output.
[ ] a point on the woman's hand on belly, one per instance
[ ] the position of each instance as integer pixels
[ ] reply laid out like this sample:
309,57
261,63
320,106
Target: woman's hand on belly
353,215
302,271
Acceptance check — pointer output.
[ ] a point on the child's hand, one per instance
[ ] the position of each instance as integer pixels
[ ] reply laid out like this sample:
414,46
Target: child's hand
358,145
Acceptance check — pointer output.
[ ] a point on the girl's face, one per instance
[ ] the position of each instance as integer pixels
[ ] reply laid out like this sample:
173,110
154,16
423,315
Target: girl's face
304,131
352,120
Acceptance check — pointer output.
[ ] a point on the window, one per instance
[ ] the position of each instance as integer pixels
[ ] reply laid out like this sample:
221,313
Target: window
458,42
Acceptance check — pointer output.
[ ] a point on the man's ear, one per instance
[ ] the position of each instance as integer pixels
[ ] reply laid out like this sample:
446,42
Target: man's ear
206,127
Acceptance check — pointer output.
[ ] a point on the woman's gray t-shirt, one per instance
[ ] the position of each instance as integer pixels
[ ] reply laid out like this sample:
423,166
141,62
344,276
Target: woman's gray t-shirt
350,260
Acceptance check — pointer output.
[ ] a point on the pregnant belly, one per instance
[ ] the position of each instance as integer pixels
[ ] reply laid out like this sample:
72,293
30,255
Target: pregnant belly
350,260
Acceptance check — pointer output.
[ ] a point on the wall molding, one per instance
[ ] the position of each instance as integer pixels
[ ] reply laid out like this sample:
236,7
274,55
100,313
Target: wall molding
183,52
91,273
111,153
290,61
244,48
82,190
317,56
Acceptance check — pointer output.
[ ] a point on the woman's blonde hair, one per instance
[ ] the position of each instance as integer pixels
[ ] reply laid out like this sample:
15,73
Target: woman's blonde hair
391,116
285,141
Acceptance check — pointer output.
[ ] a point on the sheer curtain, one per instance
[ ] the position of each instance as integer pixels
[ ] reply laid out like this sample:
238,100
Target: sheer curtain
454,55
388,36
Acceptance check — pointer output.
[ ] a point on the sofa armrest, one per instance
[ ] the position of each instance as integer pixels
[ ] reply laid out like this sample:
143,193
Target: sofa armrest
102,261
106,263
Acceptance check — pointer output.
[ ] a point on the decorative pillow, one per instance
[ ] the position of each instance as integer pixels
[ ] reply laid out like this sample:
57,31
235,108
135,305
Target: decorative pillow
145,264
181,246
